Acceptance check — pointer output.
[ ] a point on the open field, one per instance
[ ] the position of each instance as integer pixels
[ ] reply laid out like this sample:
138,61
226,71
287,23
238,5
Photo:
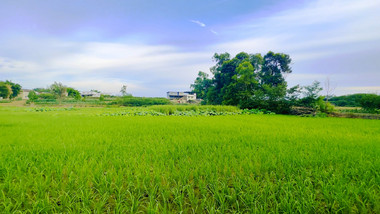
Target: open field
86,160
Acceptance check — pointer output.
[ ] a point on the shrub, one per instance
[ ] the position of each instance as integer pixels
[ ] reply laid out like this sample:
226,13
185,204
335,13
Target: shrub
141,101
32,96
101,98
46,96
323,106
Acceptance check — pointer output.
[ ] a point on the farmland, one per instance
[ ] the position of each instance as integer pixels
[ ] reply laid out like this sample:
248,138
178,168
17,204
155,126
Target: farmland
86,160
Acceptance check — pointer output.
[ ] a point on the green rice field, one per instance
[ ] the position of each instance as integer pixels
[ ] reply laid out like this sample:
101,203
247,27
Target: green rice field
113,160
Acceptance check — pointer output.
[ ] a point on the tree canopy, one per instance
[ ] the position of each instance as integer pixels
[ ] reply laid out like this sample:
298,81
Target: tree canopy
10,90
5,90
246,80
58,89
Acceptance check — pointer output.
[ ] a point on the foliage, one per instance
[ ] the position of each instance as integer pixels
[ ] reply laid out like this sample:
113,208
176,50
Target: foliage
201,85
5,90
370,101
352,100
47,109
15,89
46,96
247,81
275,65
311,95
58,89
101,98
312,91
32,96
67,161
323,106
77,97
71,92
10,90
141,101
42,90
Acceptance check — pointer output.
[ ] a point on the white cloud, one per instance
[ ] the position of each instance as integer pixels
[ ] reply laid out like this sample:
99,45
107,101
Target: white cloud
198,23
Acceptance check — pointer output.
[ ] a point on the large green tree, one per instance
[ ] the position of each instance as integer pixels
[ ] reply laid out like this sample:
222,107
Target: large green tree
15,89
5,90
246,80
311,94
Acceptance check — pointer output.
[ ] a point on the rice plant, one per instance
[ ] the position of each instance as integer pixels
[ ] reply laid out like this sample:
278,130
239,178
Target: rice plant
60,161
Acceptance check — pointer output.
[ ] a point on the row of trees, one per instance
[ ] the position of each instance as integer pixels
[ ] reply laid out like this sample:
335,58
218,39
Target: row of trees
367,101
55,91
253,81
256,81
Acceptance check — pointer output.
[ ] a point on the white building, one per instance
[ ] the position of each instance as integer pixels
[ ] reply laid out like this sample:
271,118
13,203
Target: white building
90,94
184,96
24,94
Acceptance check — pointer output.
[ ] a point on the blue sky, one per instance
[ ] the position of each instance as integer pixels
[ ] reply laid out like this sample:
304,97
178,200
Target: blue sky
158,46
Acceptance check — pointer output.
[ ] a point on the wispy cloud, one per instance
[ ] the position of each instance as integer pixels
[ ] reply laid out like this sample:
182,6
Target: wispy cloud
148,70
198,23
214,32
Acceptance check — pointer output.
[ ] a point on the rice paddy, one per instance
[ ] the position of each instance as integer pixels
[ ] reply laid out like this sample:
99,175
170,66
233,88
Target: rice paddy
96,160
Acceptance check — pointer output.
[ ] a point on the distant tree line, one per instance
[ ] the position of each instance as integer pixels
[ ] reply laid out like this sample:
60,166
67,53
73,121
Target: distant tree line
367,101
55,91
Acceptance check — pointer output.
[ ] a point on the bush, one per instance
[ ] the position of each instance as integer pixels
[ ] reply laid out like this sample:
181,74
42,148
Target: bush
46,96
141,101
32,96
323,106
101,98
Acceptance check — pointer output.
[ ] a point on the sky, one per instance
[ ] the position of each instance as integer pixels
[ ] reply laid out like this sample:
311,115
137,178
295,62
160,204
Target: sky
155,46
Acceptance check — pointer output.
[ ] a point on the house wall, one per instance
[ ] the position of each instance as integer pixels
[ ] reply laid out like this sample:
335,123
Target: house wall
24,94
